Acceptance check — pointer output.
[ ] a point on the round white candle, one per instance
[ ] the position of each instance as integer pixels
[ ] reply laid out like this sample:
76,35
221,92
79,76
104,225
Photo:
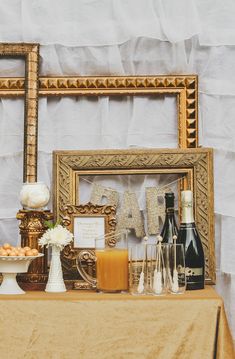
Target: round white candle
34,195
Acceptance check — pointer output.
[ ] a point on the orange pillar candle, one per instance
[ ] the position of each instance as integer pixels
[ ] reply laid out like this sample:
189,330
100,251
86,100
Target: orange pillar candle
112,269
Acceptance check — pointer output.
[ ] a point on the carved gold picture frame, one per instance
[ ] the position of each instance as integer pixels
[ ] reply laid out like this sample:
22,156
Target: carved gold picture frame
70,253
29,89
195,164
184,87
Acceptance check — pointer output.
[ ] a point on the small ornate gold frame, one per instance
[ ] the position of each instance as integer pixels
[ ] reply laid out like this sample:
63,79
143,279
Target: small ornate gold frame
70,212
70,253
29,89
185,87
195,164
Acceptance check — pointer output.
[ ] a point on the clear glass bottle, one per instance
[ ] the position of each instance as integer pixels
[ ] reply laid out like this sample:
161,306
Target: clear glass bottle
169,228
188,235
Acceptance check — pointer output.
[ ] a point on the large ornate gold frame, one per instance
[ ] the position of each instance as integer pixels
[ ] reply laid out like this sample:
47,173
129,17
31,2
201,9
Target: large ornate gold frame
195,164
185,87
29,89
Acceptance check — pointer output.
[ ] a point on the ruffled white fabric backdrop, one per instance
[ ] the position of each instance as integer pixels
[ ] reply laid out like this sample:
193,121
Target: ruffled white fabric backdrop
134,37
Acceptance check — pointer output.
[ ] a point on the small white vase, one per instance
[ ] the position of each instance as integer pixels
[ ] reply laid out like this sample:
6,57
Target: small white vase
55,281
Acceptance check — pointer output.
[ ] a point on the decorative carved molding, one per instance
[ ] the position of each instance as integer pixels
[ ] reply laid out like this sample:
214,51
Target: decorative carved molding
185,87
28,87
32,227
69,163
58,85
80,284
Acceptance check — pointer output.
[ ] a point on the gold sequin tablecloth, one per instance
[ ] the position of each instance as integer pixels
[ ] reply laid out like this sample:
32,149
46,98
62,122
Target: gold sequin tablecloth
79,325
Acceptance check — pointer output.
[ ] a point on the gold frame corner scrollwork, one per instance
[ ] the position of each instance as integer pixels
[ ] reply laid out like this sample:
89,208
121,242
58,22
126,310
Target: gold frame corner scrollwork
197,164
68,214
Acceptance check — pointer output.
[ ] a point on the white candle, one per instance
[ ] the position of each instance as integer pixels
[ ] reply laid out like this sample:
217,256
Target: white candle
34,195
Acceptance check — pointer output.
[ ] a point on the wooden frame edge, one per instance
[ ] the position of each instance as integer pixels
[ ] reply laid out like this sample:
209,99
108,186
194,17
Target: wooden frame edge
200,160
185,87
29,89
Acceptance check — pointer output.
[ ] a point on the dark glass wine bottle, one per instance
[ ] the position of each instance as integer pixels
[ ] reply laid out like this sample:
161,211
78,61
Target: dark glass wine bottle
188,235
169,228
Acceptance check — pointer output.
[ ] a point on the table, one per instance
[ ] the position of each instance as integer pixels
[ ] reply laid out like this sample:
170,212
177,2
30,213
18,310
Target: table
91,325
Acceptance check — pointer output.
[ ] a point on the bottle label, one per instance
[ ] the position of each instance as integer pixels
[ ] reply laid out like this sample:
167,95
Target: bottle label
181,269
191,272
170,210
187,225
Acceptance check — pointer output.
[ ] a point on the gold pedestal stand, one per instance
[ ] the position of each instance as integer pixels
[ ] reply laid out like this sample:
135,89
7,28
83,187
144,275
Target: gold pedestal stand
32,227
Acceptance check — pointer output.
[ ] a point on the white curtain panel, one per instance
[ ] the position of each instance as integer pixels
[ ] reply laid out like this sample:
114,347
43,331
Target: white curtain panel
133,37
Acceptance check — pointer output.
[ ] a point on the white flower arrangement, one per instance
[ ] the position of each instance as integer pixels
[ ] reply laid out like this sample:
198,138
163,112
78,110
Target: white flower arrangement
56,235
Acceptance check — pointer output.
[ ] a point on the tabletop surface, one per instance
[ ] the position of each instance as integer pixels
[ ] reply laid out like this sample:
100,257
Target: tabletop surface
81,295
87,325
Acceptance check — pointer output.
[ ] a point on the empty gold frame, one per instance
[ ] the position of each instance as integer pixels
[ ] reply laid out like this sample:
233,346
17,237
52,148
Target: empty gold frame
29,89
195,164
184,87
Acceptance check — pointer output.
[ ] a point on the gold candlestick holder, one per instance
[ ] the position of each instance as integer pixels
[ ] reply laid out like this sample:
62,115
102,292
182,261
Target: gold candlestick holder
32,227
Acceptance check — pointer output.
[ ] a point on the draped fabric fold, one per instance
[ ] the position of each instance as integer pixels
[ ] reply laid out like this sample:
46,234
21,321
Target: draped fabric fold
80,123
133,37
109,22
103,326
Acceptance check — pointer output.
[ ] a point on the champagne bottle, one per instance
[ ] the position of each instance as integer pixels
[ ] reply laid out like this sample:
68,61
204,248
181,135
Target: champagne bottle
169,228
188,235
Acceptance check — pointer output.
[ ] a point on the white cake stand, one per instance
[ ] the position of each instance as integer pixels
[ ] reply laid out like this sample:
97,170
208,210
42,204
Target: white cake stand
9,267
